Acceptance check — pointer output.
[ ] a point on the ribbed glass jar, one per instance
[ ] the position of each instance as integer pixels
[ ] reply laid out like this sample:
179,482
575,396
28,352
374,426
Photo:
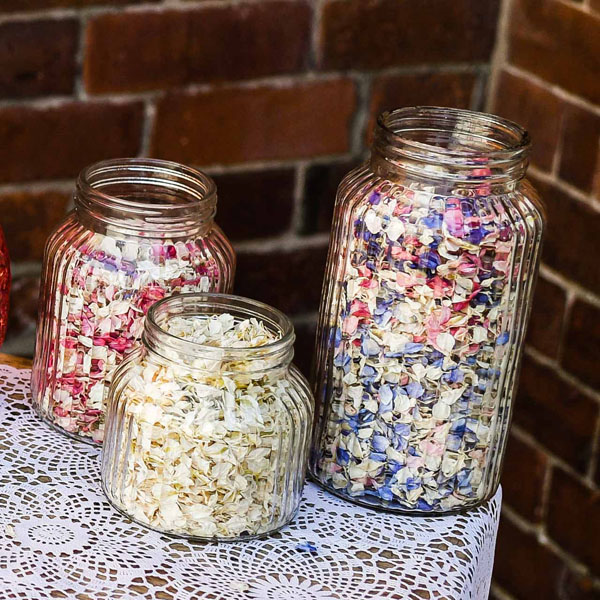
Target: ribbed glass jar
141,229
205,441
432,261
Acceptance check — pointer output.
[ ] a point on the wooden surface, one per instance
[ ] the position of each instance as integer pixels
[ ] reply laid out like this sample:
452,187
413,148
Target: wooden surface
15,361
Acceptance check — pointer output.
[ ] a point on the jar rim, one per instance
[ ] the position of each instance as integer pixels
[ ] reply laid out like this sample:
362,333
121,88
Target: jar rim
153,195
209,303
182,178
456,139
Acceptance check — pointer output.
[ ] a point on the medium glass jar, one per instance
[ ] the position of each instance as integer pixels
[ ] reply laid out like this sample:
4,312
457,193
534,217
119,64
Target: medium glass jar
208,425
141,229
433,257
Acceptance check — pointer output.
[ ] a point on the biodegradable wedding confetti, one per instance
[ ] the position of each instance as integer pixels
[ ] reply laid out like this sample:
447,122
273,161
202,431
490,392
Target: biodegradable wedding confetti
210,448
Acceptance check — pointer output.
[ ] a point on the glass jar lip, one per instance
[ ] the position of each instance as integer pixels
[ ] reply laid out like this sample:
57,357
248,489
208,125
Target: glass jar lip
172,175
442,116
190,304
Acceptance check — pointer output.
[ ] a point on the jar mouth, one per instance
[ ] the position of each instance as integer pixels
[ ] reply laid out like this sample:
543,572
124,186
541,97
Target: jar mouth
141,193
456,141
159,339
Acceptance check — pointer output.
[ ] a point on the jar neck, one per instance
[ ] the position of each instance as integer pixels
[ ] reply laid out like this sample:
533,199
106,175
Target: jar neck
145,198
246,360
449,147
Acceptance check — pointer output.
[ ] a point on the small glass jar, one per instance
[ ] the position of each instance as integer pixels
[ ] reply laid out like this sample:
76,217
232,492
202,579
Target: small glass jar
427,292
141,229
4,286
203,441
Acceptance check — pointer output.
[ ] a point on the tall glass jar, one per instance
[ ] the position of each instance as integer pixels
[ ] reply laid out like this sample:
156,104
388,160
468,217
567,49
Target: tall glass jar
141,229
206,440
433,257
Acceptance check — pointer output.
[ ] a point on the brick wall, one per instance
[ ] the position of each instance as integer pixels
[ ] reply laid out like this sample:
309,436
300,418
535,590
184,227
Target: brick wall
546,76
275,98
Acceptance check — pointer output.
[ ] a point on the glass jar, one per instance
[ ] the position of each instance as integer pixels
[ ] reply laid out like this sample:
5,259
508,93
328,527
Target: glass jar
433,257
4,286
206,441
141,229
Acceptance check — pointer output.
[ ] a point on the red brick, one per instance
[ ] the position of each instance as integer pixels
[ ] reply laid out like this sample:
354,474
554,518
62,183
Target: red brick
305,346
9,6
582,343
320,191
46,143
557,42
571,243
359,34
423,89
535,108
148,50
560,417
233,125
547,316
37,57
523,567
573,520
290,280
523,478
580,158
257,204
28,218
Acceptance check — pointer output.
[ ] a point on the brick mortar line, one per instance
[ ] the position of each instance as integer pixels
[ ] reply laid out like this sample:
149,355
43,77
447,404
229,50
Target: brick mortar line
567,188
26,268
555,89
147,127
546,485
595,451
554,461
260,165
103,9
500,592
274,81
564,326
568,285
500,53
52,185
67,185
305,318
315,33
552,364
479,94
78,85
297,218
544,540
285,242
360,119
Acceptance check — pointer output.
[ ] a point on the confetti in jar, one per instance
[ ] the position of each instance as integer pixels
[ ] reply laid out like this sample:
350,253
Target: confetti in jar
141,229
208,423
430,276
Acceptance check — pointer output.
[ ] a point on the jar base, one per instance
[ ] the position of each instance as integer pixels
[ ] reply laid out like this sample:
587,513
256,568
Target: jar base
198,539
78,438
361,501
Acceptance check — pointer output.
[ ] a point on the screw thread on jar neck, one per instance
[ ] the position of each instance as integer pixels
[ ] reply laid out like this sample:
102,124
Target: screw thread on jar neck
146,198
158,341
461,147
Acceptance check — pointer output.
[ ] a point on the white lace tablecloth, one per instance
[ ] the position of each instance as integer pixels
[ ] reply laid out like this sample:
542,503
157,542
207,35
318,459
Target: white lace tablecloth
59,538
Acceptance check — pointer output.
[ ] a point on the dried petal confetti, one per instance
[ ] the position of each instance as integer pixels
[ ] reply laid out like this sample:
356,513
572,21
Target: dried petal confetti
420,328
209,439
102,273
